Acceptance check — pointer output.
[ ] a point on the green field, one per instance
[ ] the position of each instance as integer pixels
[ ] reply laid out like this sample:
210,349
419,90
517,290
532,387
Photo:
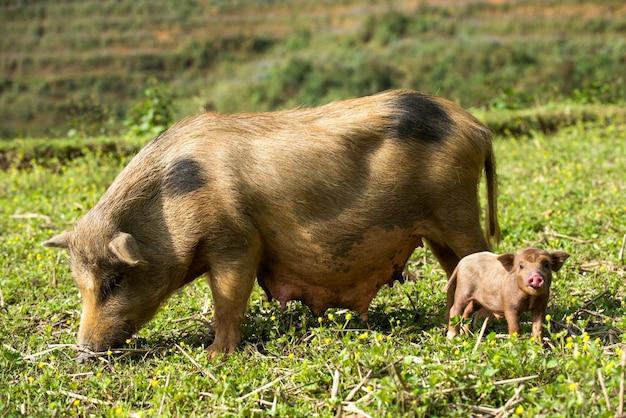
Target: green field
84,84
560,190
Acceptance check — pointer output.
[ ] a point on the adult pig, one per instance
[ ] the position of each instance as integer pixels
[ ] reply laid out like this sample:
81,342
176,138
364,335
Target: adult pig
322,205
506,284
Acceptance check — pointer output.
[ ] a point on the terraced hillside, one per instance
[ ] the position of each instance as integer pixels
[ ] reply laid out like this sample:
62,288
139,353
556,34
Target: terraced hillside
65,58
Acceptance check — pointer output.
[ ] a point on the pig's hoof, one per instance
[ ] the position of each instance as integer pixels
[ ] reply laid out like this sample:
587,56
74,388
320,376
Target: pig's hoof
85,357
216,351
450,335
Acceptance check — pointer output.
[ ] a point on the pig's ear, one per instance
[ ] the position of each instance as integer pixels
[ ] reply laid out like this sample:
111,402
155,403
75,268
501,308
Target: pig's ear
508,261
557,258
125,247
58,241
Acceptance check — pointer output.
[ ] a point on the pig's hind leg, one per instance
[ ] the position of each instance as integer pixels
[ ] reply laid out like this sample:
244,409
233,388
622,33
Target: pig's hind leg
463,310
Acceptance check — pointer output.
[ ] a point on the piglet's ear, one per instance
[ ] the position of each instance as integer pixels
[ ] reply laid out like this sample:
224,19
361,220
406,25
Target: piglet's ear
125,247
58,241
507,260
557,258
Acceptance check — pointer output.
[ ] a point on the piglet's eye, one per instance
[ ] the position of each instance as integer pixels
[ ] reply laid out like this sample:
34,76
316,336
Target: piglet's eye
521,266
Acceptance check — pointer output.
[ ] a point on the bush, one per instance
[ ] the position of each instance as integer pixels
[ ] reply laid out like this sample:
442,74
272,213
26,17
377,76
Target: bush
155,113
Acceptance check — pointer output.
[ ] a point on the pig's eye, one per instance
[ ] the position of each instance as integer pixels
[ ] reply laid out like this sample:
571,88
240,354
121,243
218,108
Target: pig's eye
521,266
117,280
111,285
545,264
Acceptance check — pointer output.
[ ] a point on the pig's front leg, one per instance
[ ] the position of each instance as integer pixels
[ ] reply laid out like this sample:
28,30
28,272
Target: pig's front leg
538,316
512,319
231,284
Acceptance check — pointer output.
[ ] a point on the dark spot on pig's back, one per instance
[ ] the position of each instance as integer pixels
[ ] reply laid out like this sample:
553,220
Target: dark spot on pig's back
421,117
184,176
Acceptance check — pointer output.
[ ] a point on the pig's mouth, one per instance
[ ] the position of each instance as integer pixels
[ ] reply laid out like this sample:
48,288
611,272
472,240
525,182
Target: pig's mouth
535,281
90,347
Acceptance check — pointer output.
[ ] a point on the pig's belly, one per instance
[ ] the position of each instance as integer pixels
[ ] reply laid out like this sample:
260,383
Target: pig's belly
322,280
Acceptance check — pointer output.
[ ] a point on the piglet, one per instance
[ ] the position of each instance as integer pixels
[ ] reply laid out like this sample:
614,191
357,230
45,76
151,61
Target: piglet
503,285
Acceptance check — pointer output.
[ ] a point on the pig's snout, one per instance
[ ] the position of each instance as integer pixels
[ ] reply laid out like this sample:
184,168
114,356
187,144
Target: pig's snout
535,280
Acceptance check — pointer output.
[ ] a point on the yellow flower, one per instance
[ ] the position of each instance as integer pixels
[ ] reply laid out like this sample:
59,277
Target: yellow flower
519,410
572,386
128,342
76,402
548,317
154,383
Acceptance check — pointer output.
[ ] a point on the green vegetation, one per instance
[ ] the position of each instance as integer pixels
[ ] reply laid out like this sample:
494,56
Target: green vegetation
547,78
563,189
83,66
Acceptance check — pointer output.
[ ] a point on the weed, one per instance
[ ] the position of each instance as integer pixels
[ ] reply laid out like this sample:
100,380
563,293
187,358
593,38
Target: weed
560,190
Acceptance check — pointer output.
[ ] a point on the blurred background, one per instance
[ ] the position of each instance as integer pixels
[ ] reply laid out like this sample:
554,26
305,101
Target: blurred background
105,67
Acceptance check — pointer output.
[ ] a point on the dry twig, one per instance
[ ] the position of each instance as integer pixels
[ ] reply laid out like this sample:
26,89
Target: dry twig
262,388
496,383
77,396
604,392
358,387
514,399
482,332
335,388
620,408
198,366
350,407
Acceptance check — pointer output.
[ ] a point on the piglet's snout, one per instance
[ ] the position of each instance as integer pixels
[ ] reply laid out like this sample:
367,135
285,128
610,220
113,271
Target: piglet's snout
535,280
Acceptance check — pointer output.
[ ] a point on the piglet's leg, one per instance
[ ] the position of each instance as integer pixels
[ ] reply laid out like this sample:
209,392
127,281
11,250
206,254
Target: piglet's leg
512,319
537,319
231,285
467,313
457,309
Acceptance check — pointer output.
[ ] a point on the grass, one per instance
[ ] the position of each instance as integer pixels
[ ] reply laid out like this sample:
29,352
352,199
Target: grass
562,189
